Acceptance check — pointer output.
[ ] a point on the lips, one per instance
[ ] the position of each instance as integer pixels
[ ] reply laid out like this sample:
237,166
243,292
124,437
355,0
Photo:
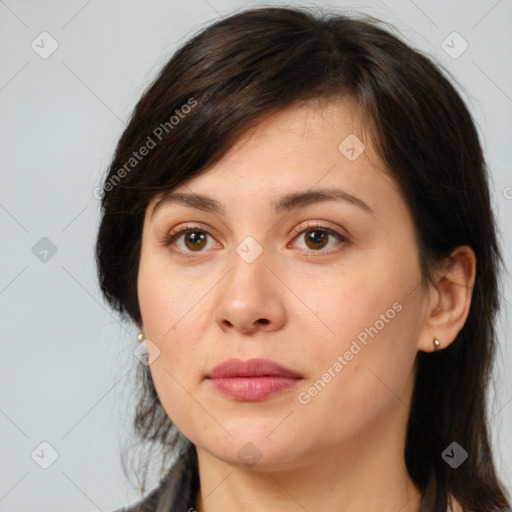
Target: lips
253,380
251,368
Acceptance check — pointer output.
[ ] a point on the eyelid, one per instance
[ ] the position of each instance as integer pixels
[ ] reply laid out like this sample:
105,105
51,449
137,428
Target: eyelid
297,230
187,225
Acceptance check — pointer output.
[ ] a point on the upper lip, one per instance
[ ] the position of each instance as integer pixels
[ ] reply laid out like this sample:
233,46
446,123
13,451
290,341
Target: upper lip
251,368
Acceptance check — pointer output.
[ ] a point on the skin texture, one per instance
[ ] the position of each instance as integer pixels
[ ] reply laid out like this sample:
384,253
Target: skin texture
344,447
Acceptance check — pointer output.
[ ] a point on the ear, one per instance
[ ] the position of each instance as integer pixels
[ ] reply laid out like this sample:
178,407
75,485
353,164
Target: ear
449,299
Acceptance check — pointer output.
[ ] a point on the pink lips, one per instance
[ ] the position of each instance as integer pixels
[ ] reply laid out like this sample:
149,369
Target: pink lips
252,380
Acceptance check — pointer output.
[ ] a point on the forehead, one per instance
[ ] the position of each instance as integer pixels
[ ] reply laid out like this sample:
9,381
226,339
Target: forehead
304,127
289,159
310,137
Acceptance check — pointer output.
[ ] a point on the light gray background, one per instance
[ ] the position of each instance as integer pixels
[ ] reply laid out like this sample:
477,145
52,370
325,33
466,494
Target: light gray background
67,363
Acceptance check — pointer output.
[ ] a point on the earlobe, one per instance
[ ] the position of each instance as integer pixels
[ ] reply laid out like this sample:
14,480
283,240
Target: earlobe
450,301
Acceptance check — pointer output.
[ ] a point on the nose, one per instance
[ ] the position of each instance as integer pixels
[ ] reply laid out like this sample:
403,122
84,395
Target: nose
250,298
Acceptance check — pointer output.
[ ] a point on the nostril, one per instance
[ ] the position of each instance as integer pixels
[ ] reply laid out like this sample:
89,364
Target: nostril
263,321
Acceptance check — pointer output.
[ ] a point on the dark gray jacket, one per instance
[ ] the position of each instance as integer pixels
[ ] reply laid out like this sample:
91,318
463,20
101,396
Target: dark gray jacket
177,490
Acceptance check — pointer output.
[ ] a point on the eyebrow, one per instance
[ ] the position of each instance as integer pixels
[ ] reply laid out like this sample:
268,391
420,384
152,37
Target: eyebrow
284,204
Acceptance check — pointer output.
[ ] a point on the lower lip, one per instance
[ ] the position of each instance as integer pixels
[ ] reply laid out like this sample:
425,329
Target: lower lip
252,389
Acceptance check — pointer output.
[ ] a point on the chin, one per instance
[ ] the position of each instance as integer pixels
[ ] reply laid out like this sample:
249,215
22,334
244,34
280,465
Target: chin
255,451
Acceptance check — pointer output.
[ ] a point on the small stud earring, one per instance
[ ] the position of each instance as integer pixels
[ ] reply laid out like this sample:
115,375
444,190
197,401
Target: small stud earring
140,337
437,344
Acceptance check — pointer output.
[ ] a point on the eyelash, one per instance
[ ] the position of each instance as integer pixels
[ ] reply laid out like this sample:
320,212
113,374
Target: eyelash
299,230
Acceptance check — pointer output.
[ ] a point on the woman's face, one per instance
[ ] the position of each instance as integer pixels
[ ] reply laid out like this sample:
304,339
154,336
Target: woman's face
320,284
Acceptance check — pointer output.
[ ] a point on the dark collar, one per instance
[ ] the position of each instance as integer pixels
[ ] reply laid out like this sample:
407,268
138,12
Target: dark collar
178,487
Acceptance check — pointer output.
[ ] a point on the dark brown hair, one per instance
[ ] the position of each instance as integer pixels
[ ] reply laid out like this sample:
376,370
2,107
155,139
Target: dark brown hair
261,61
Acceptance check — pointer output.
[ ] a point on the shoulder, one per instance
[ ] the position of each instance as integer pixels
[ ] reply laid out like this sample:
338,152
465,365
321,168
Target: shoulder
147,504
177,488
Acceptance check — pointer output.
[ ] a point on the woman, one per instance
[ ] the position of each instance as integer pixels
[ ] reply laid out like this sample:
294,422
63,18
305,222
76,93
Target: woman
297,218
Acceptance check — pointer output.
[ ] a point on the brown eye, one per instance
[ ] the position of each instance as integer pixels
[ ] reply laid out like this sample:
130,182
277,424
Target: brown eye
195,240
189,239
316,239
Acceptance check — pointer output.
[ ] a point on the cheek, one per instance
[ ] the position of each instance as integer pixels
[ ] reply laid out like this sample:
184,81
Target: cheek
172,313
164,296
362,366
152,285
178,398
342,304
